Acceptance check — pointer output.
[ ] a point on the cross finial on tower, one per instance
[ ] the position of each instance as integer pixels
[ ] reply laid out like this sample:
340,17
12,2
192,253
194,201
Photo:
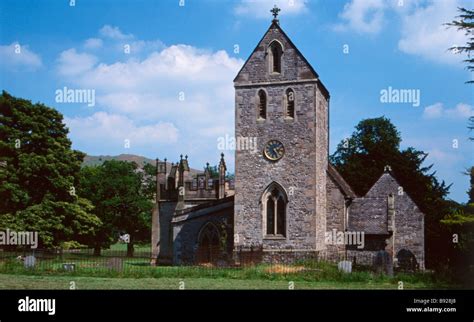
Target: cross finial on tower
275,12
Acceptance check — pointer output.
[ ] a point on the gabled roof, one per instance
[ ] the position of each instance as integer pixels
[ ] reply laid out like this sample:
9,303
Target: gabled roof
276,25
388,184
343,185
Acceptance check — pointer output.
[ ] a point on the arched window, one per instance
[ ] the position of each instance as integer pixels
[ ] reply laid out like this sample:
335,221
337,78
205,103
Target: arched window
290,103
274,206
275,57
262,104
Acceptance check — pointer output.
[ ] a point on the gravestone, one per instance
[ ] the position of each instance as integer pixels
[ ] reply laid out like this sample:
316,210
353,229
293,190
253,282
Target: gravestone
383,263
115,264
29,262
345,266
70,267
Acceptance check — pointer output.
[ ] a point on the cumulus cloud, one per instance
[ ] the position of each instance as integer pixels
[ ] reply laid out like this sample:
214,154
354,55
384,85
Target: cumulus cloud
93,43
460,111
186,88
422,27
261,8
71,63
112,32
17,56
363,16
115,129
424,34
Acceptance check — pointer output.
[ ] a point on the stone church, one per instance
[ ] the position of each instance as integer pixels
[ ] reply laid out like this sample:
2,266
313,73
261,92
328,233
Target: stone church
286,201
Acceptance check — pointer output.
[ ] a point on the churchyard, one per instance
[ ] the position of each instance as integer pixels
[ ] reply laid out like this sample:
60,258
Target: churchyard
80,269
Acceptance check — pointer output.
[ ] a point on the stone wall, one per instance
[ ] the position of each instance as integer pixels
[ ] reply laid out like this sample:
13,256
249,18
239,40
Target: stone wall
407,225
293,65
167,209
188,224
302,171
335,212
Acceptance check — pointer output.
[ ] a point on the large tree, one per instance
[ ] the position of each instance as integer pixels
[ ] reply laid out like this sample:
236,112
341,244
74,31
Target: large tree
118,192
465,22
460,223
375,143
39,175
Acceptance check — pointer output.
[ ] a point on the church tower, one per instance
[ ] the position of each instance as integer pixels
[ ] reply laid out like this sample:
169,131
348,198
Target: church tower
280,187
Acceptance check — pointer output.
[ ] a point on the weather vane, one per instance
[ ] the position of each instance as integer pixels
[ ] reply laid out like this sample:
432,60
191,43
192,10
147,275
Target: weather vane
275,12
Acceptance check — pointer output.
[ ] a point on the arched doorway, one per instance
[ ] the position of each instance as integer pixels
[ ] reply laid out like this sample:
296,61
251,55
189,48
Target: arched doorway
209,247
406,260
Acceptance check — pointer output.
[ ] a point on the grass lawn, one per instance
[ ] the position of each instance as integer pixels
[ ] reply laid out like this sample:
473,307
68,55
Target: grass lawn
109,272
14,281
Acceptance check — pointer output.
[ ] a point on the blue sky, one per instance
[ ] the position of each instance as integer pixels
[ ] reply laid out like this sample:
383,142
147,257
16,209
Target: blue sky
162,73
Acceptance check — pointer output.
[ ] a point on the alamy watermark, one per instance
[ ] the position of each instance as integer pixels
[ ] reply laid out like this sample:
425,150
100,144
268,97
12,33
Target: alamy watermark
394,96
241,143
335,237
69,95
19,238
37,305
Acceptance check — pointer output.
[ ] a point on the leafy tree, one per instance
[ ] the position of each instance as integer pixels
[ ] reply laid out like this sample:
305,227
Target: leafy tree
376,143
466,24
149,180
39,173
117,191
460,223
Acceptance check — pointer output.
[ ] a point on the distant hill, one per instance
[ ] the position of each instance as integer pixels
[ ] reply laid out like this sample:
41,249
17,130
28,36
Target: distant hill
91,160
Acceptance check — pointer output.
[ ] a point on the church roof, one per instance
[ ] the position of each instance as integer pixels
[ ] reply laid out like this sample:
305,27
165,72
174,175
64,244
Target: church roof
343,185
276,25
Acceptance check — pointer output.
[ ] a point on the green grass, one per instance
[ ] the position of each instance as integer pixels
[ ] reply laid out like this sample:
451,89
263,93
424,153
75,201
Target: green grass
8,281
94,272
121,247
137,273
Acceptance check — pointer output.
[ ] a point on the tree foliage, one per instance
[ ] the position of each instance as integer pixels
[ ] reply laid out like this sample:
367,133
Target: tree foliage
361,160
465,23
39,173
117,191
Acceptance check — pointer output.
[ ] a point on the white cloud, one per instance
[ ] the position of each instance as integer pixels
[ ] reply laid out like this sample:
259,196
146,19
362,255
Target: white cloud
93,43
424,34
460,111
71,63
174,69
108,31
146,90
261,8
364,16
438,156
139,46
115,129
423,30
433,111
16,56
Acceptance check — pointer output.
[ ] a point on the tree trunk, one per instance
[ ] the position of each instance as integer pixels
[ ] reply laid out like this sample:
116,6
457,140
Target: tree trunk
97,250
130,249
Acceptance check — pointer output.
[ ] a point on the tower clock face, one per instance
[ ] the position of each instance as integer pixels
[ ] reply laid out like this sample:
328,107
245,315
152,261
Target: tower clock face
274,150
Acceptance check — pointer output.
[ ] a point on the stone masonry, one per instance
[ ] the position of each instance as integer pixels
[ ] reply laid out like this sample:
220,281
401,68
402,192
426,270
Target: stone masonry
302,171
215,219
